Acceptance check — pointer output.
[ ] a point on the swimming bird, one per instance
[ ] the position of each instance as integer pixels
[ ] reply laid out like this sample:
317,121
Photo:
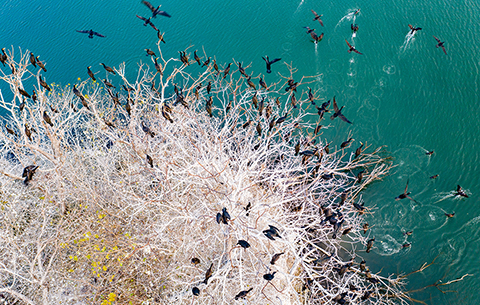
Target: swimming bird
90,73
90,33
242,294
40,64
28,173
270,62
208,274
356,12
408,233
338,112
413,29
33,60
440,44
460,192
43,83
405,194
147,21
429,153
275,258
352,48
450,215
354,27
243,243
434,177
160,36
109,69
406,245
47,119
317,17
150,53
155,11
195,291
370,244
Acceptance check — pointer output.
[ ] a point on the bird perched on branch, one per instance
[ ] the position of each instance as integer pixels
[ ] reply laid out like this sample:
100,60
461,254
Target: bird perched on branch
243,243
90,73
147,130
43,83
242,294
47,119
109,69
90,33
155,11
275,258
272,232
33,60
370,244
208,274
28,173
40,64
223,217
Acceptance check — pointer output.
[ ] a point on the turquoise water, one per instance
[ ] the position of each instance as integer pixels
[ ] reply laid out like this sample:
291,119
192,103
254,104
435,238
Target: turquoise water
403,93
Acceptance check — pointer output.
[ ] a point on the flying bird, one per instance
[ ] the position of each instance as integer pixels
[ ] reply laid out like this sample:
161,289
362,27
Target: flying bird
440,44
147,21
155,11
404,194
338,112
91,33
413,29
317,17
461,192
270,62
352,48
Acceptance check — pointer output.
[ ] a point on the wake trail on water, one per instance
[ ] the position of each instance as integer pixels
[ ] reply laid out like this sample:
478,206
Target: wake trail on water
406,43
350,16
299,6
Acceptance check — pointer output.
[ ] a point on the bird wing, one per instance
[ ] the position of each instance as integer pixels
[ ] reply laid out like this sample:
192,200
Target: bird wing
320,20
410,26
85,32
153,26
320,37
275,60
406,187
349,45
143,18
343,118
438,40
150,6
355,50
335,106
443,48
316,15
98,34
459,188
163,13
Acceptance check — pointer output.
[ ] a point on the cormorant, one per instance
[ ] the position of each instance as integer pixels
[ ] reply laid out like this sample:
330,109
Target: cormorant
338,112
242,294
195,260
370,244
40,64
440,44
275,258
43,83
90,73
149,161
269,276
108,84
47,118
160,36
150,53
147,21
346,143
352,48
461,192
195,291
270,62
155,11
147,130
317,17
250,83
208,274
23,92
404,194
197,58
108,68
243,243
227,69
90,33
413,29
28,173
33,60
358,151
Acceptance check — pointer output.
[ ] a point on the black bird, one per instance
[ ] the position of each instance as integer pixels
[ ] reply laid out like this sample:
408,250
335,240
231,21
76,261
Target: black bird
195,291
363,265
440,44
34,96
404,194
346,143
263,84
47,118
90,33
338,112
413,29
3,57
434,177
147,130
270,62
147,21
365,228
109,69
272,232
23,92
33,60
408,233
160,36
206,62
227,69
370,244
90,73
358,151
242,70
281,119
108,84
155,11
28,132
43,83
40,64
10,131
429,153
197,58
406,245
195,260
354,28
150,53
28,173
352,48
461,192
292,85
223,217
208,274
158,67
323,109
275,258
208,106
22,105
243,243
367,295
311,98
269,276
250,83
317,17
242,294
150,161
184,58
359,207
209,87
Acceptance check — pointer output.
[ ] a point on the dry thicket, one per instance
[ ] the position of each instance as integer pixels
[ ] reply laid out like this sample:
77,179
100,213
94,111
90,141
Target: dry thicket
123,206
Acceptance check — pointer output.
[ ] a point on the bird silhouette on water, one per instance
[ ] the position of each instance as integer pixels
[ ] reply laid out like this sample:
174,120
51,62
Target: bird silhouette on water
91,33
405,194
460,192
